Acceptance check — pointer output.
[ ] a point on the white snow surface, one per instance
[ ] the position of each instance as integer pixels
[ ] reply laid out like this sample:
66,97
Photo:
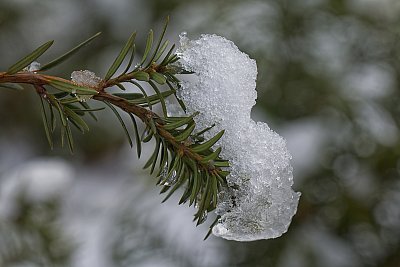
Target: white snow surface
259,202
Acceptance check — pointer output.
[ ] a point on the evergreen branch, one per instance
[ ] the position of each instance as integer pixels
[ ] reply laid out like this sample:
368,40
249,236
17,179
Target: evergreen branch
182,156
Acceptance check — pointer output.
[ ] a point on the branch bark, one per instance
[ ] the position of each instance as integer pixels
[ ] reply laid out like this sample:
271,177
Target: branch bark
39,80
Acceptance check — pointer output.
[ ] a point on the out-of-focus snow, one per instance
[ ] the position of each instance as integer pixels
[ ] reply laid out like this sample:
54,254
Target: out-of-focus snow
38,181
259,202
112,213
95,200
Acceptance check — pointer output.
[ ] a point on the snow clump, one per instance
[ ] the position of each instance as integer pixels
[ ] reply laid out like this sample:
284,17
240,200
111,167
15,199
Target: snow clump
259,202
85,78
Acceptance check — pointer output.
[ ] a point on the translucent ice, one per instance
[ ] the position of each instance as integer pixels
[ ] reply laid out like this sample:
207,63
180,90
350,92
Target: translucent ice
259,202
85,78
33,67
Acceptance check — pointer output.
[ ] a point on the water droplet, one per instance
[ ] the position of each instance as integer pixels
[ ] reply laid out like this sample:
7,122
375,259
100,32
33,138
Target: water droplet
83,98
203,217
33,67
183,35
184,40
198,200
164,171
171,180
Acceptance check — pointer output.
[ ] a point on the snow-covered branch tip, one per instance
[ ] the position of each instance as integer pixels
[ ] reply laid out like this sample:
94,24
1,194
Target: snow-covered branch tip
205,142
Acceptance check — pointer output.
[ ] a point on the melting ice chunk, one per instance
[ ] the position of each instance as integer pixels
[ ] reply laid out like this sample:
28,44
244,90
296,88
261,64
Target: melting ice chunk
259,202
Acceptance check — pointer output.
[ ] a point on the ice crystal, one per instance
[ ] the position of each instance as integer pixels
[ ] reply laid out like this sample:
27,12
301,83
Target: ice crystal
33,67
167,178
259,202
171,180
85,78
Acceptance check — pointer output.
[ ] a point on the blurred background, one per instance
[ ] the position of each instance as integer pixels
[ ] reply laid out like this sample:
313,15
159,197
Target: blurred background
329,73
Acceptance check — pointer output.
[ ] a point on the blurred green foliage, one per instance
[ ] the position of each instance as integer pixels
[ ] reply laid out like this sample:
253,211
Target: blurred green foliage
32,236
329,74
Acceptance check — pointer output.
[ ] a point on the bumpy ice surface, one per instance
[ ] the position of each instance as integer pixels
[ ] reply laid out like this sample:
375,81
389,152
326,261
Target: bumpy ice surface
85,77
259,202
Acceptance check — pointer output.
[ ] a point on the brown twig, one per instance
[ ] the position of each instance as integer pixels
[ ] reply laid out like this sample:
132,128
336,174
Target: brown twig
39,80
